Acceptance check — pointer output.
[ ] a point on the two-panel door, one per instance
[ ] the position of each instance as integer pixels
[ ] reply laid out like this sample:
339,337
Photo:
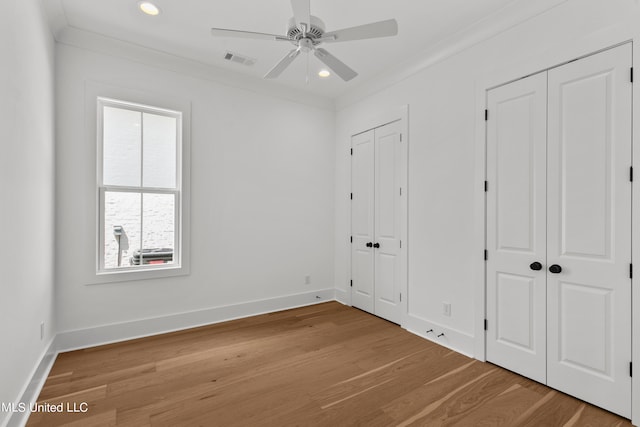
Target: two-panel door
559,228
589,229
516,226
362,225
376,221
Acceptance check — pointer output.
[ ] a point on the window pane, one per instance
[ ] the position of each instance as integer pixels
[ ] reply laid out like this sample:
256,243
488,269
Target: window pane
121,209
158,230
122,147
159,163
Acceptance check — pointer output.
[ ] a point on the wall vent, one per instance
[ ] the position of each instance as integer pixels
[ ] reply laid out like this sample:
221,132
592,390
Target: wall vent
240,59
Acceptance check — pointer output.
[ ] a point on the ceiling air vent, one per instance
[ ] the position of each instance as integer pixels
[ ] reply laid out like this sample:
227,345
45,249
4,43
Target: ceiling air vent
240,59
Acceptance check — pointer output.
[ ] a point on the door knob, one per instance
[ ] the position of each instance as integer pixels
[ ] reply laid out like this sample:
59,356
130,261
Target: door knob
376,245
535,266
369,244
555,268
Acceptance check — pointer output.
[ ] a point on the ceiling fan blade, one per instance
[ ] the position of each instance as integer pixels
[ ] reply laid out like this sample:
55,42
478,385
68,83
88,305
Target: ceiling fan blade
368,31
302,13
338,67
283,64
223,32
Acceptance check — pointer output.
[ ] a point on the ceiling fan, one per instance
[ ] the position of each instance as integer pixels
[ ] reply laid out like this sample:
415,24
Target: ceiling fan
307,32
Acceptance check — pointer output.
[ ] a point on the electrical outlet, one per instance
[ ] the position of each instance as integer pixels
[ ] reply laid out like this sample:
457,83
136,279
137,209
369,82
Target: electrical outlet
446,309
41,331
307,280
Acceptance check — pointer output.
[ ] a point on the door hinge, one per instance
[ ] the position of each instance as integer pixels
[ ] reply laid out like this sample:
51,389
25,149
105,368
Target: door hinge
631,173
352,151
630,271
486,186
486,254
351,196
486,115
351,283
400,296
401,191
400,137
630,369
351,239
631,75
485,324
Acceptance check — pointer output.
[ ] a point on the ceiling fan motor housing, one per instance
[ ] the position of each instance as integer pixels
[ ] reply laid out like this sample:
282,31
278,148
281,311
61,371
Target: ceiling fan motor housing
315,32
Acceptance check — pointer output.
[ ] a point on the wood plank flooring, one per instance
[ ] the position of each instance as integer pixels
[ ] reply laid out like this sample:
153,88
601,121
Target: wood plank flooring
322,365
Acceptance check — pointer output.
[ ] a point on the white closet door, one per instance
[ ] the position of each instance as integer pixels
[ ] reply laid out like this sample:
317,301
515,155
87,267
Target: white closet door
387,222
589,229
516,226
362,221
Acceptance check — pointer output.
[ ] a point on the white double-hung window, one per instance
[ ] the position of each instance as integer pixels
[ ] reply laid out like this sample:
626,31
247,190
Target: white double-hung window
139,187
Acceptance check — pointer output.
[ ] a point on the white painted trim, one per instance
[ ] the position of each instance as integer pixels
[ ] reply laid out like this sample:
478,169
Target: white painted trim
343,297
97,43
107,334
92,92
606,38
559,55
454,339
512,15
55,15
379,119
32,388
635,235
479,227
102,188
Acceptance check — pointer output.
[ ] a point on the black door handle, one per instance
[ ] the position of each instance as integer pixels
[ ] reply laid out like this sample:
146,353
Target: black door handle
369,244
555,268
535,266
376,245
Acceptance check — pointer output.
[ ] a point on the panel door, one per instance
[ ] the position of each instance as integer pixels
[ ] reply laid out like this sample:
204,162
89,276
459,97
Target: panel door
387,222
516,226
362,221
589,229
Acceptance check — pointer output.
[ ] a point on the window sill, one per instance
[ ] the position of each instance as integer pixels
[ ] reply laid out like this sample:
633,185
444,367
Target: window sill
132,275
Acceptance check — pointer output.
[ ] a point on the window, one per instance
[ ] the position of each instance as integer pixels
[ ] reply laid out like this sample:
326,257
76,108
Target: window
139,187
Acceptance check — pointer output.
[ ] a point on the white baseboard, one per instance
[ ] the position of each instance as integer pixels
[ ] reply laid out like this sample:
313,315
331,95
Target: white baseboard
32,388
458,341
107,334
343,296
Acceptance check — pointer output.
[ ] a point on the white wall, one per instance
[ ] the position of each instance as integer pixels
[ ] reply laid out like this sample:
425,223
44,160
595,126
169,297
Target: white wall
26,193
443,171
268,182
262,172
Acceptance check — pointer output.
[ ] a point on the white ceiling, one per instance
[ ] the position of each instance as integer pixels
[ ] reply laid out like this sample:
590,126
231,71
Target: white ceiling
183,29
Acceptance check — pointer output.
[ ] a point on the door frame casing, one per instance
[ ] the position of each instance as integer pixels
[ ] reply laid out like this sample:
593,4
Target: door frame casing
592,265
382,118
556,56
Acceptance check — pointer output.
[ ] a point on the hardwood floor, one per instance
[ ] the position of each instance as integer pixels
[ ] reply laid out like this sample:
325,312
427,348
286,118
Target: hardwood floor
323,365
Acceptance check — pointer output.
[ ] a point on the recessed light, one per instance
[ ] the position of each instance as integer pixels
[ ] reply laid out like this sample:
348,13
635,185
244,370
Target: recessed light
149,8
324,73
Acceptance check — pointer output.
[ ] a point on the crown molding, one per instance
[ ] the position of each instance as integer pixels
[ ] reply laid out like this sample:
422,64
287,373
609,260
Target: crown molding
56,17
87,40
512,15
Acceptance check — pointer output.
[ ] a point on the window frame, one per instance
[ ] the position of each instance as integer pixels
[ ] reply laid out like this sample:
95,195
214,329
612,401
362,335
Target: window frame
149,270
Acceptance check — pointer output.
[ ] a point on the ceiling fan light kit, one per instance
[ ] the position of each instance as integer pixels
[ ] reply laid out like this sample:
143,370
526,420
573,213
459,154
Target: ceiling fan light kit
307,32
